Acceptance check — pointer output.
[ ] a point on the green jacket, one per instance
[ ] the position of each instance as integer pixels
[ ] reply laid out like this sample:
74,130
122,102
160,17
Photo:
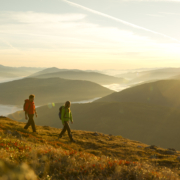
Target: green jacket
66,116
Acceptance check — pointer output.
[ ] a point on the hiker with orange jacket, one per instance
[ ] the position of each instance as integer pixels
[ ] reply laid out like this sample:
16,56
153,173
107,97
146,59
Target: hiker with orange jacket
30,110
66,116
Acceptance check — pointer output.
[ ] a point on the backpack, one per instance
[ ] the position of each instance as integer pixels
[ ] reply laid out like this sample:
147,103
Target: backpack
26,105
60,112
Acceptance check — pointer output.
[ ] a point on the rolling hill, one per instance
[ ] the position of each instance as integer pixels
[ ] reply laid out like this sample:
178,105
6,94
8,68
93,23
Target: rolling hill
49,90
25,155
150,124
84,75
177,77
163,92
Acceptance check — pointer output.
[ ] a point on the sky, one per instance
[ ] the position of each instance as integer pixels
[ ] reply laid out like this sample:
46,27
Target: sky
82,34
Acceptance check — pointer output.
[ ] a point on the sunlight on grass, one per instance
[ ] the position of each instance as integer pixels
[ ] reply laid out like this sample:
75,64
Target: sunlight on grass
52,159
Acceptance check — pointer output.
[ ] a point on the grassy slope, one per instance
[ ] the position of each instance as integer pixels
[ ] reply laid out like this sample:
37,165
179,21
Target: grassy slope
149,124
91,157
83,75
49,90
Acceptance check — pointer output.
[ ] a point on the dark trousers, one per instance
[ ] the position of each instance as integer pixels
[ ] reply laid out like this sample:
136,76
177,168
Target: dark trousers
66,127
30,122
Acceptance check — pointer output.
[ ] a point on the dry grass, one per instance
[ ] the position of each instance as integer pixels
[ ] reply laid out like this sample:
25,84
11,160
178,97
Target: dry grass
91,157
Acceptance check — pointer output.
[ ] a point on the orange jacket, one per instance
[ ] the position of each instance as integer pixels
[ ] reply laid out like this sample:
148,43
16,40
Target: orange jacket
29,107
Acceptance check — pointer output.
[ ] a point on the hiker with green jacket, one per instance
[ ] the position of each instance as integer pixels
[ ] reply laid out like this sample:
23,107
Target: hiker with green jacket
66,116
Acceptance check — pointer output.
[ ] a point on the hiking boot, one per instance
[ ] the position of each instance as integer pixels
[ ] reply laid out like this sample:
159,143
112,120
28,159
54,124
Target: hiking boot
59,137
72,140
35,132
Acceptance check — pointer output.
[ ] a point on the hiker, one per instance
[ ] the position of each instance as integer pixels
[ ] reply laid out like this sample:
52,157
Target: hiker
30,110
66,116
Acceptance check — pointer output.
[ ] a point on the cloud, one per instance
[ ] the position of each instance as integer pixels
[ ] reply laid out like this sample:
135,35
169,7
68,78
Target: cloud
11,46
32,17
119,20
76,36
79,41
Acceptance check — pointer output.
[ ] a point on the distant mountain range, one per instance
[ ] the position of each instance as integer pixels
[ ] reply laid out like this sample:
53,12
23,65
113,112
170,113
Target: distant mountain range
13,72
49,90
79,75
150,75
98,76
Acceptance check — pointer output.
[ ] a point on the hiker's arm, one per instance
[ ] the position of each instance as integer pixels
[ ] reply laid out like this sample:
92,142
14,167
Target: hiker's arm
36,112
26,113
62,115
26,117
71,118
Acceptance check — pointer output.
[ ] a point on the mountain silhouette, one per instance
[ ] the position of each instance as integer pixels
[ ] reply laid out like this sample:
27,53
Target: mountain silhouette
49,90
163,92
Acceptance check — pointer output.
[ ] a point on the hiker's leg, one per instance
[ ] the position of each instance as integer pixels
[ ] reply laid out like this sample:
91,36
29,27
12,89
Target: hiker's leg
31,118
69,131
63,130
28,124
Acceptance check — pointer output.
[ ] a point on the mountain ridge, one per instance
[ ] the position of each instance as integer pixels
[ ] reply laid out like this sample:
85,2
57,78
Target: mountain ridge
49,90
162,92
